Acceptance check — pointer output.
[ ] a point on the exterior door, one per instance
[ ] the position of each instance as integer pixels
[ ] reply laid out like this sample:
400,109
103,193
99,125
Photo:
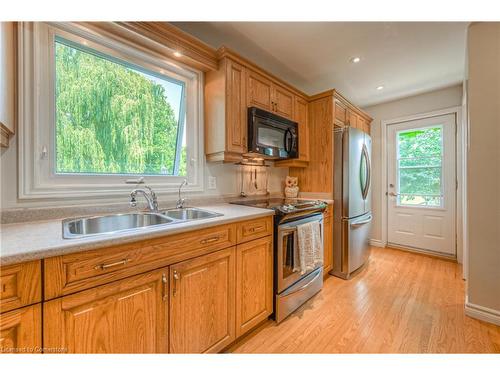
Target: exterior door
422,184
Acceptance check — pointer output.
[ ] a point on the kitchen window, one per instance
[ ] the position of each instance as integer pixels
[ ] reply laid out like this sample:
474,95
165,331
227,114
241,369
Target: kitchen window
99,112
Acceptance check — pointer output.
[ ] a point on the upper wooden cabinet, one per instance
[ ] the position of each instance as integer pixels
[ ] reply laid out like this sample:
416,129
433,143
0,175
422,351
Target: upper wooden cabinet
259,91
283,101
202,303
8,81
327,110
236,85
127,316
226,112
263,93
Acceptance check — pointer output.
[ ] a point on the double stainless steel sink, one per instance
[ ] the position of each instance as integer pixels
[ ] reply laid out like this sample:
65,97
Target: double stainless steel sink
108,224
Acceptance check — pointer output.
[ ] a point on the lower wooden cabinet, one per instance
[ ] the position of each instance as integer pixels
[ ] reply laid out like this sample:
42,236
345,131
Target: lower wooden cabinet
127,316
202,303
21,330
254,283
327,244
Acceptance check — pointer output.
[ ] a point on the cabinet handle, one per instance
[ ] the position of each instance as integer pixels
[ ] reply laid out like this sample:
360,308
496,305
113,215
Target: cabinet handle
105,266
164,286
210,240
176,277
254,229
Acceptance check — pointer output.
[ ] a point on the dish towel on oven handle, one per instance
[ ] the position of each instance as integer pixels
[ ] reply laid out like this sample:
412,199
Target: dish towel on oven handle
310,247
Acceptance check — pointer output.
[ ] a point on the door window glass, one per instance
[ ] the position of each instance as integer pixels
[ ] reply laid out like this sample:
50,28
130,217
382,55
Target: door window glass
420,167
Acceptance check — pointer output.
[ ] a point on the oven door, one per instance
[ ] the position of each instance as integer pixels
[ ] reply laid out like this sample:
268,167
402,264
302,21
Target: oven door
287,248
272,136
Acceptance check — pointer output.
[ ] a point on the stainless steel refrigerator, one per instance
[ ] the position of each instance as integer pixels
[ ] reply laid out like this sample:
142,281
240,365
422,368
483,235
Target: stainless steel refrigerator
352,200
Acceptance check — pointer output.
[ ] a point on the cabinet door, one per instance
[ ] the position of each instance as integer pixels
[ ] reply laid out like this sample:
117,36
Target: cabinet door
127,316
340,113
236,110
283,101
301,116
202,297
21,330
352,119
259,91
254,283
327,244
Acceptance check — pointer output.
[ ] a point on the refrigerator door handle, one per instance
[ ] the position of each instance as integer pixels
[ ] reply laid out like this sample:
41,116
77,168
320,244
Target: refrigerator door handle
365,157
362,222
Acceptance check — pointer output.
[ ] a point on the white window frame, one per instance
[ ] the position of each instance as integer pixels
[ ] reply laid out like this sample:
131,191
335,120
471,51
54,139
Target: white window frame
36,151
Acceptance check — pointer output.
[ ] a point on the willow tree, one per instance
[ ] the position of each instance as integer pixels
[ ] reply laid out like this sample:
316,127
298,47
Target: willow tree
109,118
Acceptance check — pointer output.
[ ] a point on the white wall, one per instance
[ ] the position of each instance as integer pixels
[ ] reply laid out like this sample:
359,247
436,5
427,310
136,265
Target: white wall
427,102
483,284
226,174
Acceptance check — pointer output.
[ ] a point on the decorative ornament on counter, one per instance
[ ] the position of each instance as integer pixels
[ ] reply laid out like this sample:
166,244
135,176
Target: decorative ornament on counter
291,187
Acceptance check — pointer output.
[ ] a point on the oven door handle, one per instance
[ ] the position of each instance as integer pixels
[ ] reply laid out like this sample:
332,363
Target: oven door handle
319,273
293,228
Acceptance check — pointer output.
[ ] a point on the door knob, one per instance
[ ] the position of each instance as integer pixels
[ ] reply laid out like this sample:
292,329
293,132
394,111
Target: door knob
393,194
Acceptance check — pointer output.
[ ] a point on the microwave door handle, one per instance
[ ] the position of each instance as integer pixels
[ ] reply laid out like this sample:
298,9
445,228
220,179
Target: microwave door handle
288,149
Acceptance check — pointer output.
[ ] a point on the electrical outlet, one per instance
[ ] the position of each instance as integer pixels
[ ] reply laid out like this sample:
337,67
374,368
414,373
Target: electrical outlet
212,182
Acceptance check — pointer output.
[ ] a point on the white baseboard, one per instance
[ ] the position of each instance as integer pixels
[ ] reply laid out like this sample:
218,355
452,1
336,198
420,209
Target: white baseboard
482,313
377,243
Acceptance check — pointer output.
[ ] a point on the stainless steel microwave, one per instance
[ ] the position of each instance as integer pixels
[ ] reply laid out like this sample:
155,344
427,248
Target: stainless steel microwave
271,136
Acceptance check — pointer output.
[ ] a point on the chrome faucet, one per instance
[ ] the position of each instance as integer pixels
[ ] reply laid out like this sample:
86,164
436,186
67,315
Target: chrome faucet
149,195
181,201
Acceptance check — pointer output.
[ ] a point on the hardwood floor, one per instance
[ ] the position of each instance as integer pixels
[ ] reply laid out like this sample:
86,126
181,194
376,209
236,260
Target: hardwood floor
400,302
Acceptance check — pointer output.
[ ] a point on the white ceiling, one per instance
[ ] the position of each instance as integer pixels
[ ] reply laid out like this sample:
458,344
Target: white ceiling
407,58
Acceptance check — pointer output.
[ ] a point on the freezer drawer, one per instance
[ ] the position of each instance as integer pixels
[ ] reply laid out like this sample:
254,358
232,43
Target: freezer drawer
351,246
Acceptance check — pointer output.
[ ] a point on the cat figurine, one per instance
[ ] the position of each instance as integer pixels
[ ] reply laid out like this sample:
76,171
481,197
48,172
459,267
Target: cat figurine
291,187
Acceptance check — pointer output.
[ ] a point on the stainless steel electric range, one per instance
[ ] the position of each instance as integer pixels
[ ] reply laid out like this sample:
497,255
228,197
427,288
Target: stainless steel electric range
291,289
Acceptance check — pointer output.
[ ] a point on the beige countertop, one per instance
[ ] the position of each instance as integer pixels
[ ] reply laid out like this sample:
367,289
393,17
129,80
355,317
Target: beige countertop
22,242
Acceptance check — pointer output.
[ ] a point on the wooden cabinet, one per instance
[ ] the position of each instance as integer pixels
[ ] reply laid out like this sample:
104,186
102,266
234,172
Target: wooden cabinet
191,292
226,112
327,110
8,85
202,303
254,283
283,101
75,272
21,330
236,85
259,91
340,113
267,95
127,316
328,240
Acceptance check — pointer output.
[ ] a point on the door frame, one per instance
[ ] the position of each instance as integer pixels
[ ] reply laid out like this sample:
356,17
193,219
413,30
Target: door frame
461,175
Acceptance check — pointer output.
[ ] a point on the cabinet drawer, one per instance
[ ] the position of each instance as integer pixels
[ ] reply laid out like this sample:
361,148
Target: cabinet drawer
74,272
252,229
21,285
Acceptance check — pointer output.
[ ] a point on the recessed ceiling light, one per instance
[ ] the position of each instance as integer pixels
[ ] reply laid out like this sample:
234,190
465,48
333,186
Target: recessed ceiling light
355,60
380,88
177,54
